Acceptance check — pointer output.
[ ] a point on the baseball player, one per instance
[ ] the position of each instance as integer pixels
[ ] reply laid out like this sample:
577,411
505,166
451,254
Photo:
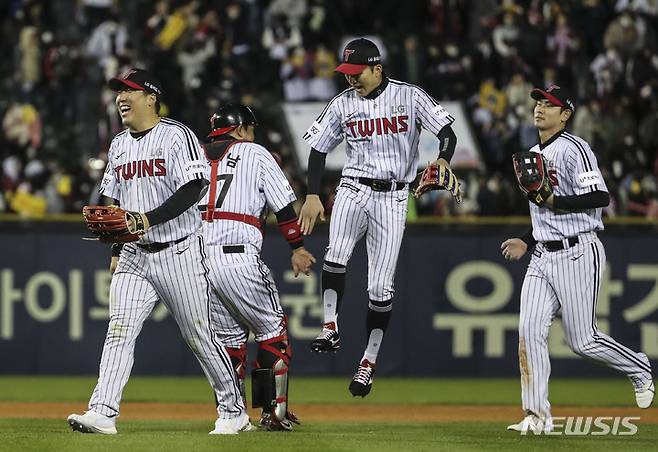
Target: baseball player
156,170
381,121
245,180
568,260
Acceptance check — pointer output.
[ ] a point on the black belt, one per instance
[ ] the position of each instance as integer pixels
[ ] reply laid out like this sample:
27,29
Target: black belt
380,184
156,246
233,249
557,245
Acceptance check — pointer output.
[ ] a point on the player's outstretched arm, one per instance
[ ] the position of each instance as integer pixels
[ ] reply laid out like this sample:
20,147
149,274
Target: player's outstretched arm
301,261
309,213
313,207
513,249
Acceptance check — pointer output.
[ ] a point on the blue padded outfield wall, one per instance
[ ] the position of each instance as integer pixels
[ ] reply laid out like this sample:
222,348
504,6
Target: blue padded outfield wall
455,309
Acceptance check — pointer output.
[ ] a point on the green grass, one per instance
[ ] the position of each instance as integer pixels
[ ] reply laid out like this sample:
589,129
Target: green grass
365,436
416,391
37,435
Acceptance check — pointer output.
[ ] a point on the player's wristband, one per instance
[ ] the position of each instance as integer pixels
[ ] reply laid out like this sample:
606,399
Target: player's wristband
529,239
292,233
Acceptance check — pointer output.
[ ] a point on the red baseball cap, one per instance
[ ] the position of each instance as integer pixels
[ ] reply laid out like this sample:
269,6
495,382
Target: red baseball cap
358,55
138,79
555,95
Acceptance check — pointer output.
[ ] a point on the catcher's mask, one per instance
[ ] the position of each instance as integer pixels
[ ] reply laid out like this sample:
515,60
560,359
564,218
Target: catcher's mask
229,117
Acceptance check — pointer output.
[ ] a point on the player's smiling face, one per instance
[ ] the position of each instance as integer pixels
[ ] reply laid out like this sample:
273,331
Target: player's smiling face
365,82
134,106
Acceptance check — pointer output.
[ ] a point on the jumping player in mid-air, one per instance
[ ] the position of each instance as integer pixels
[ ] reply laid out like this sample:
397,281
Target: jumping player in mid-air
567,263
381,120
157,169
245,180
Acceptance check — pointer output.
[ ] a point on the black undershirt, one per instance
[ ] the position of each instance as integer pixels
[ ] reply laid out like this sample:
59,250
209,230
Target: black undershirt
447,143
316,162
184,198
592,200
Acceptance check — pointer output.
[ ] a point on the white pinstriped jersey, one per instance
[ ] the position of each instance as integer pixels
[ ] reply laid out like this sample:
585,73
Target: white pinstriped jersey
248,178
142,173
573,170
382,133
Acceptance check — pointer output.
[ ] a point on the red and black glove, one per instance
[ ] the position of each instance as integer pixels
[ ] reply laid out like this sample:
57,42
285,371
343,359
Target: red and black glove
532,176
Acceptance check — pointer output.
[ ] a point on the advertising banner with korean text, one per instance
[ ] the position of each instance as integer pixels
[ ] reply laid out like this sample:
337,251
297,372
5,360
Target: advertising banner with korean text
455,307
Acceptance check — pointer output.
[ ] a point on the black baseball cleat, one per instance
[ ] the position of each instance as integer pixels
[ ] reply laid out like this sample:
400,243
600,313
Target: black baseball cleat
270,423
362,381
327,341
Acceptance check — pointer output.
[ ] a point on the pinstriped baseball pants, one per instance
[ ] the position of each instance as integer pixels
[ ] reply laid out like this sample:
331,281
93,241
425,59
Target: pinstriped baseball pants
381,217
178,276
568,281
245,297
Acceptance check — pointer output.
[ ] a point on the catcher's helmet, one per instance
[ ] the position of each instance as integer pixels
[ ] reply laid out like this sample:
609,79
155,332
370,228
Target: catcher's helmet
229,117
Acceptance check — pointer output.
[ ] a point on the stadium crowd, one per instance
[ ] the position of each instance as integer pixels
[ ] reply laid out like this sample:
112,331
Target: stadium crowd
58,116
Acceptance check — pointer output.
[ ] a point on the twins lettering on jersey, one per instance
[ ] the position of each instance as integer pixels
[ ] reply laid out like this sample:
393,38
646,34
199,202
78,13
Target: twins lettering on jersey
141,168
382,126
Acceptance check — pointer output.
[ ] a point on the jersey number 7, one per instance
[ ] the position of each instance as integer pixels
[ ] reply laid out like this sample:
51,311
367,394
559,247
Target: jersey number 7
225,180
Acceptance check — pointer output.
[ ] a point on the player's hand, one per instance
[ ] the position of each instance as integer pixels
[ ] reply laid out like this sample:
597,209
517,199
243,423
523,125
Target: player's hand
309,214
513,249
301,261
113,264
137,222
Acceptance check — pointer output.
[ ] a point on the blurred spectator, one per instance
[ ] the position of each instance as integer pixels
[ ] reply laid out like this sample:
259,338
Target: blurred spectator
624,35
321,85
177,23
607,68
108,45
587,122
506,36
561,44
30,58
58,115
22,125
94,12
640,194
521,110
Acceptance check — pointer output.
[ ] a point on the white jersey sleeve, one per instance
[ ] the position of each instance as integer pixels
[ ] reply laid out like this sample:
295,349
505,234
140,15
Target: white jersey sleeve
326,132
189,162
274,183
109,186
583,166
432,116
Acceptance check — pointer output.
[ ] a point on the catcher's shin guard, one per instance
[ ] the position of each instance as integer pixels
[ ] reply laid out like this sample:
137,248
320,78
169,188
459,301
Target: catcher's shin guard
239,362
270,378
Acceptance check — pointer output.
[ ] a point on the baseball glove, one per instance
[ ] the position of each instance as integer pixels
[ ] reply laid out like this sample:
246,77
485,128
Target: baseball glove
112,224
531,174
437,176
